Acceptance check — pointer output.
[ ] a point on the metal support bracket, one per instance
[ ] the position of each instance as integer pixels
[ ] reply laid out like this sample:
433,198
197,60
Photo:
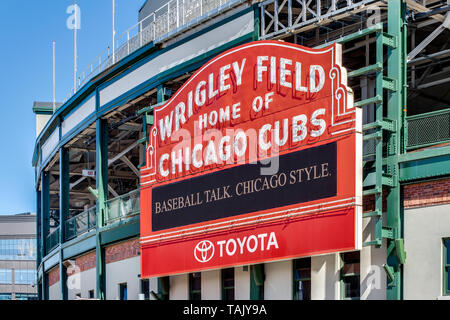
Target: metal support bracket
389,40
390,84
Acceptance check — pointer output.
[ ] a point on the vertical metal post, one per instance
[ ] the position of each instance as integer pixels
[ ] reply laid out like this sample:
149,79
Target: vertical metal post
54,78
113,32
379,142
39,254
168,16
75,49
275,15
178,14
64,189
102,189
396,67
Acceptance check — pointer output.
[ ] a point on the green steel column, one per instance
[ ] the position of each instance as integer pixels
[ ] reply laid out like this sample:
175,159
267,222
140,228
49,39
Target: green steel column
396,65
102,188
38,240
160,97
45,213
64,190
45,210
257,24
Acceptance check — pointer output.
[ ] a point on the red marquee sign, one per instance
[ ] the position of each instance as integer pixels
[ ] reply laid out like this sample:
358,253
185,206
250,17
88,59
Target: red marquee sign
257,157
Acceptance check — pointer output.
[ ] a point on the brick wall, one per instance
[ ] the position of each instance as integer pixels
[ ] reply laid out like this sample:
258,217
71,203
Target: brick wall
427,193
121,251
83,263
53,276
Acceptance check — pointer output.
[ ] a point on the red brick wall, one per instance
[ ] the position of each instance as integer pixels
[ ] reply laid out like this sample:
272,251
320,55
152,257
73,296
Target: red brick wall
53,276
427,194
122,251
369,202
83,263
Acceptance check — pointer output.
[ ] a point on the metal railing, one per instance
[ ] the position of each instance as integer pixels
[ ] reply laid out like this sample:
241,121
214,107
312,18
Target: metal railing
81,223
52,240
123,207
428,129
171,16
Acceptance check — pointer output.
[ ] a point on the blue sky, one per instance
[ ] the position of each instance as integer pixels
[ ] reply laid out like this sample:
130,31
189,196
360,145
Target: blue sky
27,29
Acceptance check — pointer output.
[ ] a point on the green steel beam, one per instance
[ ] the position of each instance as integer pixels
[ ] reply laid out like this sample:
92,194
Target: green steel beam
396,103
64,189
126,230
102,189
429,167
362,33
366,70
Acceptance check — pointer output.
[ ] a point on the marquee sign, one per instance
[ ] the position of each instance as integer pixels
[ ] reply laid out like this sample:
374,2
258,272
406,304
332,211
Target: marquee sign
257,157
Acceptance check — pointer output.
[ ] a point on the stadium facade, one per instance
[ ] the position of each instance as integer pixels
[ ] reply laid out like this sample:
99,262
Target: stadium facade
91,158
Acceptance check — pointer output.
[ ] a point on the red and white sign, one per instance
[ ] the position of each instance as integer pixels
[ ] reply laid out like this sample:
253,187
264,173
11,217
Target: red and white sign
257,157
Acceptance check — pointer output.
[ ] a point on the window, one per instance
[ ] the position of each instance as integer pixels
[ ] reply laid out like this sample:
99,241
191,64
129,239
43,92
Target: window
164,288
26,296
17,249
195,286
446,266
26,276
145,288
302,279
5,276
228,284
123,294
350,280
91,294
5,296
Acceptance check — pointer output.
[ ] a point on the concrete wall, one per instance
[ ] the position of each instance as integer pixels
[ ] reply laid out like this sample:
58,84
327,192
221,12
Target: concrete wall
278,283
325,277
123,271
82,283
424,230
179,287
54,292
211,285
241,283
372,274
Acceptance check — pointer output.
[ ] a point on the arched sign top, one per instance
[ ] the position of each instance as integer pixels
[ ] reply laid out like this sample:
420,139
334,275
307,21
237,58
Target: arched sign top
245,88
256,157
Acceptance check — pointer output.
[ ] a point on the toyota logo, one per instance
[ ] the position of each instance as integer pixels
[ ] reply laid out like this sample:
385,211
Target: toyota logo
204,251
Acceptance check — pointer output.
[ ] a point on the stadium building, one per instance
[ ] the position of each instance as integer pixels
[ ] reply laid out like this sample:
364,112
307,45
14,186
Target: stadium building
100,236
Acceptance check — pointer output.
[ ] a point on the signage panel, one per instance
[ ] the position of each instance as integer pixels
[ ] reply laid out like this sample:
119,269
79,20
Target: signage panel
256,157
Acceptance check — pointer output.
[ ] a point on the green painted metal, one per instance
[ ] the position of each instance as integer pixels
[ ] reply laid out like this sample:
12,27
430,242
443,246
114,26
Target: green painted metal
102,188
396,104
39,252
257,22
429,167
64,193
366,70
45,209
362,33
376,99
427,129
120,232
257,278
79,245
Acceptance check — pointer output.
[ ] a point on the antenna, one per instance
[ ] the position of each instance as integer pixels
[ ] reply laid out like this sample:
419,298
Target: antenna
54,78
75,48
113,31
